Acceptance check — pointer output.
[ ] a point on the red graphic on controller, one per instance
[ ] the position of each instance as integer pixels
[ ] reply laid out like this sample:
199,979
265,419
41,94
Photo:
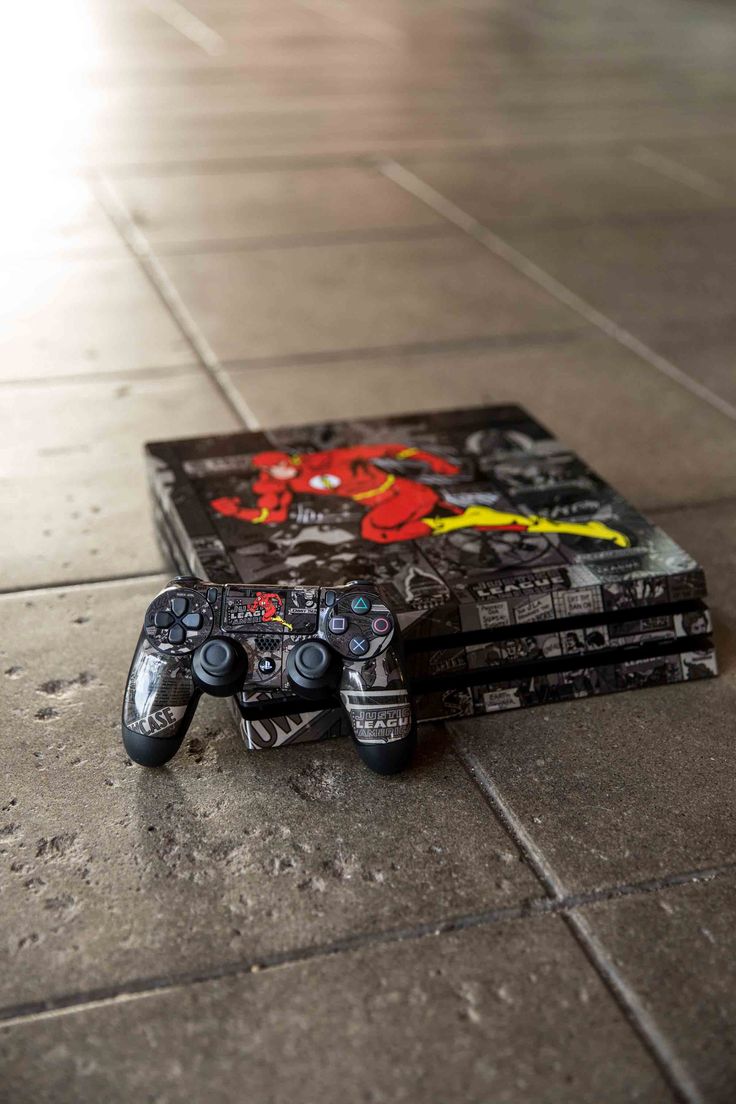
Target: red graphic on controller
267,606
397,508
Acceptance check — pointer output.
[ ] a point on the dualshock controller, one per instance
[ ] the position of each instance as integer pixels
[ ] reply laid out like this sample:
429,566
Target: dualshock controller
312,642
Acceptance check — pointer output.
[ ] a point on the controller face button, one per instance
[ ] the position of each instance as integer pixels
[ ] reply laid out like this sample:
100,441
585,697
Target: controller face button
330,597
179,606
192,621
338,625
212,595
358,645
266,665
360,604
381,626
177,634
162,619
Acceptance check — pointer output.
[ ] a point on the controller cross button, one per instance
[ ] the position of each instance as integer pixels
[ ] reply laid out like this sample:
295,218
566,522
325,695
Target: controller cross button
381,626
162,619
358,645
338,625
179,606
177,634
192,621
360,604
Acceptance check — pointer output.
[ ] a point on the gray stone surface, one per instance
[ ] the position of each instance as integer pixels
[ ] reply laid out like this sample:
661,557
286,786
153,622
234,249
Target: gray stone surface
620,414
677,949
180,210
70,316
112,872
634,786
353,295
504,1013
533,186
72,472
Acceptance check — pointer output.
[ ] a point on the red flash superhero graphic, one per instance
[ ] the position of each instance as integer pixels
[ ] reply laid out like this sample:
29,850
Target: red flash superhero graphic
397,508
268,606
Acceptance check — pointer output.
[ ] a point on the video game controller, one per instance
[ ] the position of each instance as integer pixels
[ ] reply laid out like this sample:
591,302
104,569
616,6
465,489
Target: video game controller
315,642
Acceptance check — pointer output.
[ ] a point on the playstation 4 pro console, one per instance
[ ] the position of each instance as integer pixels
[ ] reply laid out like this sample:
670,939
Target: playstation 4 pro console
516,574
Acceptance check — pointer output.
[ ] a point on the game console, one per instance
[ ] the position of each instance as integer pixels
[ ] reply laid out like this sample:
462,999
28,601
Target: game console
517,575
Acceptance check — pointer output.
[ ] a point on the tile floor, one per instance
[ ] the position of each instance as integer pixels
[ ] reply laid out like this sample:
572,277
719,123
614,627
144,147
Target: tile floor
252,212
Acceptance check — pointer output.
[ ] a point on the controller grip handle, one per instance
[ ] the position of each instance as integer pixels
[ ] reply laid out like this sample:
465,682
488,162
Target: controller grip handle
159,702
382,720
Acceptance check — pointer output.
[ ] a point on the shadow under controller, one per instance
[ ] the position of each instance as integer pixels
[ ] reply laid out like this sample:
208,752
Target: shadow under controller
517,575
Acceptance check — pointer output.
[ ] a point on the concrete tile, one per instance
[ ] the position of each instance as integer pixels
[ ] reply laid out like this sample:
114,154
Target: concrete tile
228,207
709,164
112,872
565,187
638,785
709,533
668,281
649,437
677,950
63,317
321,298
72,475
509,1013
44,213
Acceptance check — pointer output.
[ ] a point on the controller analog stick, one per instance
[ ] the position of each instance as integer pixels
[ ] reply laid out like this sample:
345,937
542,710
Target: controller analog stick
312,667
219,667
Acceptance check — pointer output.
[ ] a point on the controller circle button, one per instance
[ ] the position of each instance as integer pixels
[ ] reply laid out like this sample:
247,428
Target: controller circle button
381,626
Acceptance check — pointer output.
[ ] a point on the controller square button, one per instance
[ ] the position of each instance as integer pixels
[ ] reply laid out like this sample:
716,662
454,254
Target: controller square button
179,606
162,619
177,635
338,625
192,621
358,645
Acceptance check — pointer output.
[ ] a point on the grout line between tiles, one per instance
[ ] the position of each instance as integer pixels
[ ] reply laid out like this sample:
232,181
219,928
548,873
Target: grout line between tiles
641,1021
78,584
665,166
413,184
138,988
188,24
118,214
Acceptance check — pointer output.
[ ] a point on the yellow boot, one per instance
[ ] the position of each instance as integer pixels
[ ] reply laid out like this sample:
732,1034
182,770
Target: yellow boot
485,517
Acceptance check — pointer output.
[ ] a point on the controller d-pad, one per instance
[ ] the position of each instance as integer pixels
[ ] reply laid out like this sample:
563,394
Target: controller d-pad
358,645
192,621
177,634
179,606
162,619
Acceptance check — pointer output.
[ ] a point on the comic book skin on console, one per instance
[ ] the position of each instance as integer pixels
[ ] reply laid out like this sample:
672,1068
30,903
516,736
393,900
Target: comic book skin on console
464,528
542,688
